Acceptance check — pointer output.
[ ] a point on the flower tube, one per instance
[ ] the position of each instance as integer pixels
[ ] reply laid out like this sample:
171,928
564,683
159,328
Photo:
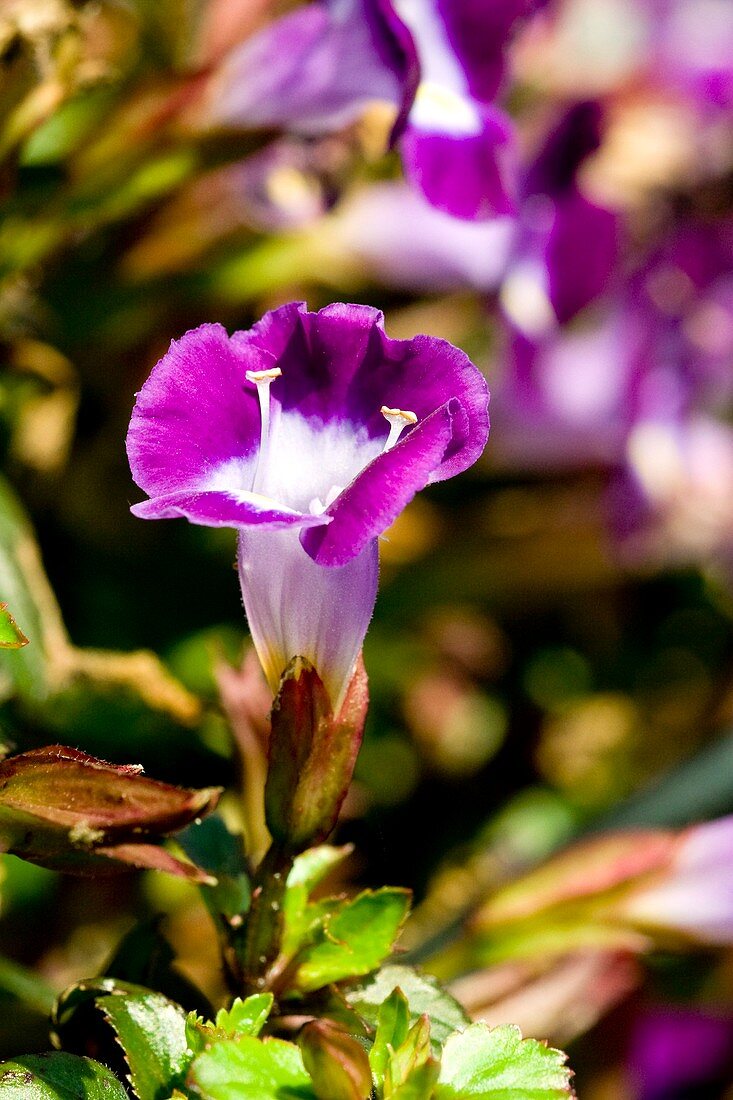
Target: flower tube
309,434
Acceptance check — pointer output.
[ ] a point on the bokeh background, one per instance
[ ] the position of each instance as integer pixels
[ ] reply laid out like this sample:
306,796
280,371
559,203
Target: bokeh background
552,648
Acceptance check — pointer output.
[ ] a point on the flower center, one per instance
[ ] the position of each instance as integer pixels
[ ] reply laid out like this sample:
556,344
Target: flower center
309,457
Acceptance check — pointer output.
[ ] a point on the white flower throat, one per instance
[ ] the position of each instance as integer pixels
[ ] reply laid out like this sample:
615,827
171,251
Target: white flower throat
312,462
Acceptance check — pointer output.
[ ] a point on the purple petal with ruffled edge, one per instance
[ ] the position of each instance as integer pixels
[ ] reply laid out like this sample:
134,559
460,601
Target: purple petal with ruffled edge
224,509
316,69
339,365
466,173
380,492
195,412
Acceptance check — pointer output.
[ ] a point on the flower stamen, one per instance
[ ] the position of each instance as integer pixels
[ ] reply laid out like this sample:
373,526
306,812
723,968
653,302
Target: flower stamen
262,379
398,420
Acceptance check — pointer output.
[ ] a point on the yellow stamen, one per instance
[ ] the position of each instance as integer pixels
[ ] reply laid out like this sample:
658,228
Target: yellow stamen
398,420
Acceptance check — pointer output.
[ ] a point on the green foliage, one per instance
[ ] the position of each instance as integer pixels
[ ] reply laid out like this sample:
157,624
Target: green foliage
152,1032
423,994
210,845
246,1017
393,1024
301,917
356,937
251,1069
11,636
58,1077
483,1063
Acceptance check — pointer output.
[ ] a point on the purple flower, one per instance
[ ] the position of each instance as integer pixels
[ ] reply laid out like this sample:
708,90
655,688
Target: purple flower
694,894
439,65
309,433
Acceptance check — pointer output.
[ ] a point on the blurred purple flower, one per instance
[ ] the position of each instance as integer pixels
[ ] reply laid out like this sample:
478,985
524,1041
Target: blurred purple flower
694,894
674,1051
440,65
309,433
690,46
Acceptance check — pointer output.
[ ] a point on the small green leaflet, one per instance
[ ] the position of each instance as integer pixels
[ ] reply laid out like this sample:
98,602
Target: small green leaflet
11,636
301,919
392,1027
58,1077
251,1069
246,1017
423,993
356,938
483,1063
152,1032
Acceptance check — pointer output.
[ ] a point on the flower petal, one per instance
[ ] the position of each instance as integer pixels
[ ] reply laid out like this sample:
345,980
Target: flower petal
379,493
461,159
339,365
195,412
297,609
316,69
224,509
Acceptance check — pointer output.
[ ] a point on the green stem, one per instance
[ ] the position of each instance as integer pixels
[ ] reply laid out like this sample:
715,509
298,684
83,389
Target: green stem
26,986
264,921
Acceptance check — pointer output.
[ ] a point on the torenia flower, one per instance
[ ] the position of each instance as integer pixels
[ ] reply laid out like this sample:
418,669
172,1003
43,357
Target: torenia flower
309,434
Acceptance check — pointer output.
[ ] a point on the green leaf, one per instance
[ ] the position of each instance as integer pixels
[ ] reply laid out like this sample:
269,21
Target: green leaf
251,1069
408,1057
420,1082
497,1064
152,1032
246,1017
210,845
393,1024
24,585
58,1077
301,919
11,636
356,938
424,995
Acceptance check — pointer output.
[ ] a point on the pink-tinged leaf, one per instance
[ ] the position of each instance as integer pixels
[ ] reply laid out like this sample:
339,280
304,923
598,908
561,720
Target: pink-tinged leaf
63,809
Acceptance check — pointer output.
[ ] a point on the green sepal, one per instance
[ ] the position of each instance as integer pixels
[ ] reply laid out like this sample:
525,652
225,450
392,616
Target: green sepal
58,1076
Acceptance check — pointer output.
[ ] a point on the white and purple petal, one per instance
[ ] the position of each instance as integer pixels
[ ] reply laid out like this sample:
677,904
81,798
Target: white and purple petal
297,608
461,156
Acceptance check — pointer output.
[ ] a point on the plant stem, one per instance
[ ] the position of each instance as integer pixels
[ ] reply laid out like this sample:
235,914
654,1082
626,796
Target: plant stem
264,921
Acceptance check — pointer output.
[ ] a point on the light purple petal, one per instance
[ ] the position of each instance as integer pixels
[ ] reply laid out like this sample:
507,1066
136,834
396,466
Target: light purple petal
379,493
405,242
468,173
316,69
195,412
224,509
296,608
